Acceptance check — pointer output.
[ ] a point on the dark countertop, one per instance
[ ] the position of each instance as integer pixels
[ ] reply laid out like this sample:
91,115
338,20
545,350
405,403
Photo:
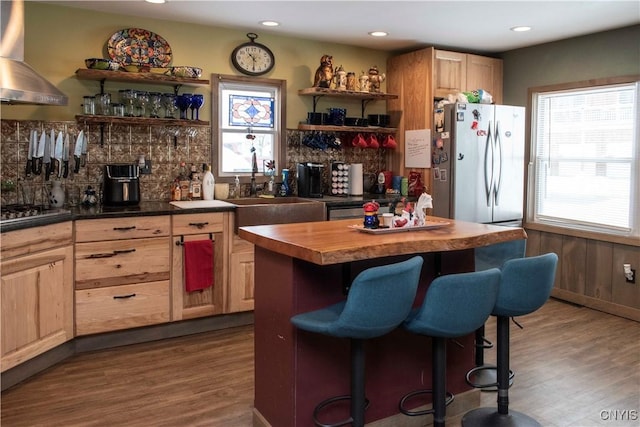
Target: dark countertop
153,208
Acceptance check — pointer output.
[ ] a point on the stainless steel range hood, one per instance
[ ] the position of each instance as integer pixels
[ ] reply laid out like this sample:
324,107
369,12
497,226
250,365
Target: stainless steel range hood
19,83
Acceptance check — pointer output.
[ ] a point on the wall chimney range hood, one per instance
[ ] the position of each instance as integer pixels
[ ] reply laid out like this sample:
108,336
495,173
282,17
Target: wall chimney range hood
19,83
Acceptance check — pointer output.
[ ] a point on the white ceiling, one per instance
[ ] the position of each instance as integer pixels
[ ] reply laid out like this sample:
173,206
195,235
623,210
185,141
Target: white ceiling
481,26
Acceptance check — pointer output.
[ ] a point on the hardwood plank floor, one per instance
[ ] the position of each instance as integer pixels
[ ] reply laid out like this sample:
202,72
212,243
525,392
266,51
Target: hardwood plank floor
571,363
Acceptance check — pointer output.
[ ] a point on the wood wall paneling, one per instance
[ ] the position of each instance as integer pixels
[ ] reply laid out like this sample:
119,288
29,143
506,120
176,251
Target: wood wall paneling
622,292
598,269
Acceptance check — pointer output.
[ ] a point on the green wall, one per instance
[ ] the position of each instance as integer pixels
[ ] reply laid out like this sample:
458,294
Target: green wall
58,39
606,54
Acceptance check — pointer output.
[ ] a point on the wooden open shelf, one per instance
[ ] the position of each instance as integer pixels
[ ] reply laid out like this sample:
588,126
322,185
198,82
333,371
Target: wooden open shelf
370,96
124,76
356,129
97,119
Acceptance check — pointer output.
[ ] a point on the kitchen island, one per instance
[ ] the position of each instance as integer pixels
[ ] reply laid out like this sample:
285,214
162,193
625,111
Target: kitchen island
306,266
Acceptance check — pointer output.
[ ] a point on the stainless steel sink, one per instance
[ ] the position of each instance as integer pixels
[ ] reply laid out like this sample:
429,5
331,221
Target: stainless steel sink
278,210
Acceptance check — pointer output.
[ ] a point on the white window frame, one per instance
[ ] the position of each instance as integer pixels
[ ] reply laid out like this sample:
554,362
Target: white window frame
219,82
533,218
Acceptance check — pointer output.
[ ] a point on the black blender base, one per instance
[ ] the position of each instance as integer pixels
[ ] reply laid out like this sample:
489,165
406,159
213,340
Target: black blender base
489,417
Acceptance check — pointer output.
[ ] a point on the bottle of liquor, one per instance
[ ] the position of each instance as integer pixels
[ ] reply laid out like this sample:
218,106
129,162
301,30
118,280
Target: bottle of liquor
196,187
184,181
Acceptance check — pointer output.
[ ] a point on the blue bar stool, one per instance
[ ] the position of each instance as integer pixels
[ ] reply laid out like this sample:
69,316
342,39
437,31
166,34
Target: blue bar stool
525,287
455,305
379,300
483,376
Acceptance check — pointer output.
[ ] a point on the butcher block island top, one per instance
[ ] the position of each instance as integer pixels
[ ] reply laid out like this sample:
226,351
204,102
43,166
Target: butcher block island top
333,242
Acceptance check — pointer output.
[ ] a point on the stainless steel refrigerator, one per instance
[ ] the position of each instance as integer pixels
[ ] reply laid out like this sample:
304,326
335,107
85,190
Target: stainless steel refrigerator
478,163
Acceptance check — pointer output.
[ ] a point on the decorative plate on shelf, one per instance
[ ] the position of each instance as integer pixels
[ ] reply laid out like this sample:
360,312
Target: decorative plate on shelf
139,46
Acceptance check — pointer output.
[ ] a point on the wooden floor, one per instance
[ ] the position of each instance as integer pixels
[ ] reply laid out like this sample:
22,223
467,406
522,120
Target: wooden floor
571,364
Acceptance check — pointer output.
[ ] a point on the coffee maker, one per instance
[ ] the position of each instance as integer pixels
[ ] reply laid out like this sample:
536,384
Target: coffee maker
310,180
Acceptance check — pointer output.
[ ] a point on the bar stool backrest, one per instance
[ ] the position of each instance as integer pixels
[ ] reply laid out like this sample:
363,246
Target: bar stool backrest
493,256
526,284
379,300
456,304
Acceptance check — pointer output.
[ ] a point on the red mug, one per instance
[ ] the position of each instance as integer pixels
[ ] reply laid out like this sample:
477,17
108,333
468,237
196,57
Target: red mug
372,141
359,141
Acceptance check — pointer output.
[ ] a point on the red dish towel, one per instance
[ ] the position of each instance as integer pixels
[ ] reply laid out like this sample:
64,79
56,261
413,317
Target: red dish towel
198,265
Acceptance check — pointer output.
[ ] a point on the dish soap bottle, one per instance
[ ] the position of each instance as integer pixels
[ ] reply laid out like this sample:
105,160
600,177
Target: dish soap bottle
208,184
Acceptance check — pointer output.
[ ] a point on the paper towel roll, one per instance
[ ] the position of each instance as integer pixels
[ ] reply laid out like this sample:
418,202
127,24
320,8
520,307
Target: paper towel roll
355,179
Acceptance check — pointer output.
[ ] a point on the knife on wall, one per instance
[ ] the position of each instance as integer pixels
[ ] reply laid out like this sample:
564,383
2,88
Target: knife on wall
57,154
40,153
33,146
77,152
65,156
47,156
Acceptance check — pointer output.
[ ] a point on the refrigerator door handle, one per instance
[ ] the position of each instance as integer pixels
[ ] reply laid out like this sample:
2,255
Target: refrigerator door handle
488,166
498,172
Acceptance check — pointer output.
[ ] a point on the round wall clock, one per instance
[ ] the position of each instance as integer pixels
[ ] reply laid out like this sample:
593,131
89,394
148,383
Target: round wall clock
251,58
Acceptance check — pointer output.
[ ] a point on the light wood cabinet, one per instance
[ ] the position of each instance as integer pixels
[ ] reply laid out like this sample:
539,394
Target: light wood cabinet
210,301
422,75
449,73
122,273
241,277
37,292
455,72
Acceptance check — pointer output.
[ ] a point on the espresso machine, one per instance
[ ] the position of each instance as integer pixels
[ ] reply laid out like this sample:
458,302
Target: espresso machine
310,180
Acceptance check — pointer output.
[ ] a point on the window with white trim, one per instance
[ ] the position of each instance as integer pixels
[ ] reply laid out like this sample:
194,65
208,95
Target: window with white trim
584,154
249,116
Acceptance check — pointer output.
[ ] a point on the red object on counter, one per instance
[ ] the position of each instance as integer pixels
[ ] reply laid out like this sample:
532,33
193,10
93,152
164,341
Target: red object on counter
198,265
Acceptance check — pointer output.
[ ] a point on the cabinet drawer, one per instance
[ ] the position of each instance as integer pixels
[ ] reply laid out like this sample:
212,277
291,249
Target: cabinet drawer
92,230
31,240
118,262
198,223
121,307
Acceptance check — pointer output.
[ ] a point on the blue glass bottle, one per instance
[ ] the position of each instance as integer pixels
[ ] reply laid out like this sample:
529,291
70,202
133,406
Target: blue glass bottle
284,189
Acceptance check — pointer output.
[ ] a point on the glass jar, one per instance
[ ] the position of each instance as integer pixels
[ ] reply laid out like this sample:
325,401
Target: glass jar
89,105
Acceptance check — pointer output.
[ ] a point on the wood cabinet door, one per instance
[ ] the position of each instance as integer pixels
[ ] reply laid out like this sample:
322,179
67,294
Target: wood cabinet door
206,302
449,73
37,304
485,73
241,277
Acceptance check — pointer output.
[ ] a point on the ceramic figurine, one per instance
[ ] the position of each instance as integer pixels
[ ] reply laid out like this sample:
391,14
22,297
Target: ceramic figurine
364,83
341,78
324,73
375,79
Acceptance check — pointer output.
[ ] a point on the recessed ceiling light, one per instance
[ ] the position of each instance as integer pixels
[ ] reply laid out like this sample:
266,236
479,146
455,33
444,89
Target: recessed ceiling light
155,1
378,33
520,29
270,23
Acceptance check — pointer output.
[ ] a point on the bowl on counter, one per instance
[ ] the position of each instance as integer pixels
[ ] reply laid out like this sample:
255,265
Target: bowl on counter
102,64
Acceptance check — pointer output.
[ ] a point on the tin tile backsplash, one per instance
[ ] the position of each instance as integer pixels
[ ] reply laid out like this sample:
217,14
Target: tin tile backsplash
125,143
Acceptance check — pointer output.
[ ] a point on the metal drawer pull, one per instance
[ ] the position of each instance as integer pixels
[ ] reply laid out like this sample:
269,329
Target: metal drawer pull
133,227
92,256
124,251
114,253
124,296
199,224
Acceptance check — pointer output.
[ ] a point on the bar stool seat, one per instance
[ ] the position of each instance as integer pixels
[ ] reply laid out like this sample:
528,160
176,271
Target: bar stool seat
525,286
483,376
455,305
379,300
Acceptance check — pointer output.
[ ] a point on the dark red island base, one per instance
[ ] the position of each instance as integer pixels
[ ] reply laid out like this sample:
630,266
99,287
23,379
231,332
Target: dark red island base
305,266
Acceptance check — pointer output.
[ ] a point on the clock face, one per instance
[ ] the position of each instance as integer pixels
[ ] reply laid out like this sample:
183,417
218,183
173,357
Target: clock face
253,59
